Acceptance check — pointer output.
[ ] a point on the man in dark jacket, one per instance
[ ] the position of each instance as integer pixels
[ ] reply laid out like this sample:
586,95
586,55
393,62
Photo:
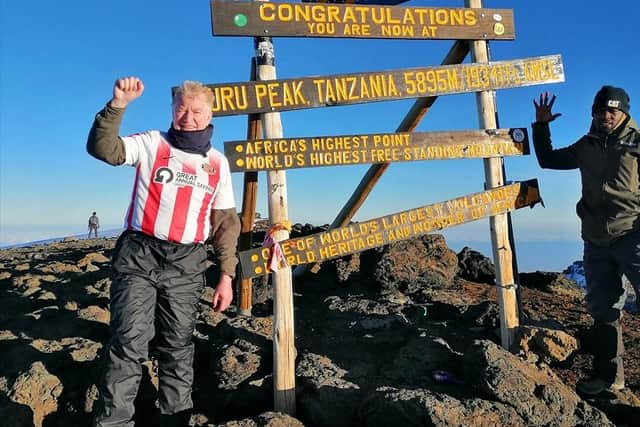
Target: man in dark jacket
609,210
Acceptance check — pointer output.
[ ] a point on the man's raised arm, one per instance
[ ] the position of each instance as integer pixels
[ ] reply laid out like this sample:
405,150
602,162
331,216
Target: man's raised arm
104,142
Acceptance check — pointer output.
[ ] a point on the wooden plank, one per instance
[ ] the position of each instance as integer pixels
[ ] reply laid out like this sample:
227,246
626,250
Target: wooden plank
276,19
373,233
407,83
249,198
341,150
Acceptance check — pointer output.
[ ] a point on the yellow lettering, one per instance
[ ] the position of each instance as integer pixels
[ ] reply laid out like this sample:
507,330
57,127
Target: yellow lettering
266,12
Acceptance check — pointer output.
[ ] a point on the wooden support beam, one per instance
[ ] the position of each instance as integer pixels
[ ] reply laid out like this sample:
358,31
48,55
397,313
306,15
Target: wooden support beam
494,177
284,353
456,55
249,196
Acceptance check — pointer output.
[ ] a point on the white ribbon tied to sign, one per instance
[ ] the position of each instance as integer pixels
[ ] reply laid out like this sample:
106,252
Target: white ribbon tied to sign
277,259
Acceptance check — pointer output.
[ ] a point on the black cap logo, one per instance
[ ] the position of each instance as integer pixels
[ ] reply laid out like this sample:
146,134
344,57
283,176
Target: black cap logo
163,175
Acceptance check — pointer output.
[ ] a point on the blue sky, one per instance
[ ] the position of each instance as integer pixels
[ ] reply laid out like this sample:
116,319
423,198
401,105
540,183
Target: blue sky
59,61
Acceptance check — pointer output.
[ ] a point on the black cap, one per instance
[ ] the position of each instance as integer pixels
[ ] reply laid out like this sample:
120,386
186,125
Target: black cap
611,97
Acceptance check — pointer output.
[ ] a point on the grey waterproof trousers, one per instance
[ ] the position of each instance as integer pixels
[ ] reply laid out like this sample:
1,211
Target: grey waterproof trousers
154,292
606,296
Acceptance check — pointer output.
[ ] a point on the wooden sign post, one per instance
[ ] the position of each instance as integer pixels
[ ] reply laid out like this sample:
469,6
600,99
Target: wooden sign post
273,153
494,177
249,196
284,353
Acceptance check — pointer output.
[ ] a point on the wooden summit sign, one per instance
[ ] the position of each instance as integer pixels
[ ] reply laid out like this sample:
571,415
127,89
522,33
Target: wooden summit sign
305,152
242,18
344,89
358,237
386,2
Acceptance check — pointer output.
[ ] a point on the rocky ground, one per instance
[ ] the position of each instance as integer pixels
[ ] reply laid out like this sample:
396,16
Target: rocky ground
402,336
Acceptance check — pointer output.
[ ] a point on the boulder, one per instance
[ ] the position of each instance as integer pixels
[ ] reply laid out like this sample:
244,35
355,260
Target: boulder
420,407
552,346
92,258
323,387
535,392
475,267
553,283
267,419
37,389
426,260
415,362
95,313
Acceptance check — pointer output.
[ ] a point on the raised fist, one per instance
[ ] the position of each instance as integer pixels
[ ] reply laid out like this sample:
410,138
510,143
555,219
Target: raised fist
126,90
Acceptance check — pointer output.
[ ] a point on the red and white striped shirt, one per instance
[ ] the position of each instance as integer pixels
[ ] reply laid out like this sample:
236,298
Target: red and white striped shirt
174,191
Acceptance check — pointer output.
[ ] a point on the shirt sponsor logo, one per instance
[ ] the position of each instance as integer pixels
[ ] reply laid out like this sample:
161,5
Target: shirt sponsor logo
163,175
186,179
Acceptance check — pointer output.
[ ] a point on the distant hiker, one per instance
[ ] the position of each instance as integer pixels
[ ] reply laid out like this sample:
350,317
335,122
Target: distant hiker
609,209
182,196
94,224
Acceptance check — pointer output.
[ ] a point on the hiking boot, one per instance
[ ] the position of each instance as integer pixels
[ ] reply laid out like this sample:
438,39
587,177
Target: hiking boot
594,386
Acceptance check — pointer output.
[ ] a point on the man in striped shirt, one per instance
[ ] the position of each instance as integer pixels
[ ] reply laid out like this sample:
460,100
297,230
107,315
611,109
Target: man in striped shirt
182,196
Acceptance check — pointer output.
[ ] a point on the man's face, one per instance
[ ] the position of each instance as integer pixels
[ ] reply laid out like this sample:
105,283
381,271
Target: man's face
191,112
607,119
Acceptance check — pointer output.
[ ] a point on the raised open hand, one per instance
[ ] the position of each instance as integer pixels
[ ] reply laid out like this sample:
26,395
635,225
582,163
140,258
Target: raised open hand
543,108
126,90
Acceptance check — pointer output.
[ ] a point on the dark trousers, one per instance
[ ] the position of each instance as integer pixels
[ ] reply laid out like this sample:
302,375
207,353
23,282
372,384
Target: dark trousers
154,292
604,267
